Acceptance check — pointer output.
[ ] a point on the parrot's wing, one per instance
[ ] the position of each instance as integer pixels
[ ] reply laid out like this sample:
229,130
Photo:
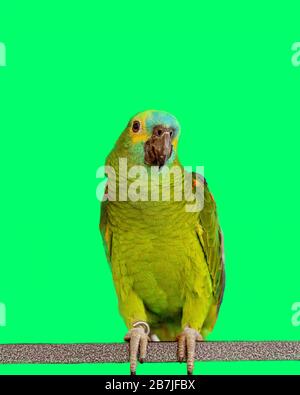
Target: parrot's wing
105,230
212,241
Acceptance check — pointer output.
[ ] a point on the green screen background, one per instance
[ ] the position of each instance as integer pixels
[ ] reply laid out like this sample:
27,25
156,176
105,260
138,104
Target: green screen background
75,74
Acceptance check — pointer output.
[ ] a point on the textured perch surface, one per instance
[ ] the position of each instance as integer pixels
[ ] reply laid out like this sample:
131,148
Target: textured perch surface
157,352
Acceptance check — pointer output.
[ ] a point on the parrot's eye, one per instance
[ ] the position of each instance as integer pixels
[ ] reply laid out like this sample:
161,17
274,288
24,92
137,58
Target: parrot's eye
136,126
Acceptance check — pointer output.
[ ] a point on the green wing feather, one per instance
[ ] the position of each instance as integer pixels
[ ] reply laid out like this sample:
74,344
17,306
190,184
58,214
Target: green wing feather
212,242
105,230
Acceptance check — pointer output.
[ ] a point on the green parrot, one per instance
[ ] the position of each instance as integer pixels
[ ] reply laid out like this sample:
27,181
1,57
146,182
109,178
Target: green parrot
167,261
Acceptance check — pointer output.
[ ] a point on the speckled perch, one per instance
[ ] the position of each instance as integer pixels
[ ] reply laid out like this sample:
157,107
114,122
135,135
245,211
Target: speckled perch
157,352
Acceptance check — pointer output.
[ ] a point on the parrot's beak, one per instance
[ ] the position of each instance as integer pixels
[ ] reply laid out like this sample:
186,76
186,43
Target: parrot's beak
158,148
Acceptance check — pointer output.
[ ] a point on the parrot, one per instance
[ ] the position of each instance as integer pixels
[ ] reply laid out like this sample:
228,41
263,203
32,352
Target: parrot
167,262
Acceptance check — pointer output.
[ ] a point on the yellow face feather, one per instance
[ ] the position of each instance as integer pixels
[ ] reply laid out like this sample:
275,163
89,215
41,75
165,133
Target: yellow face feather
143,135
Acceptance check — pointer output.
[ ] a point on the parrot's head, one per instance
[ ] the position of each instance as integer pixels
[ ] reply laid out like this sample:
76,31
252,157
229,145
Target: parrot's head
150,139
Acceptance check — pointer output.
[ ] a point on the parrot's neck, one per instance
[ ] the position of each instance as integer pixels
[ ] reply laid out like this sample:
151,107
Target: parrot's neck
141,190
128,176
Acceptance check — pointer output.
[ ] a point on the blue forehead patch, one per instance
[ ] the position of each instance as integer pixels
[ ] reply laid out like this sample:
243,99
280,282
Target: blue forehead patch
162,118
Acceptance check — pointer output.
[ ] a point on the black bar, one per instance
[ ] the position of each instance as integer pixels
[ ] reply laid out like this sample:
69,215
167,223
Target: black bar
139,384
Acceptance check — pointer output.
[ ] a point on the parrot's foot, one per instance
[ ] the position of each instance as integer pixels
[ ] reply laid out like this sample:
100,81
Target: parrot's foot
138,338
186,347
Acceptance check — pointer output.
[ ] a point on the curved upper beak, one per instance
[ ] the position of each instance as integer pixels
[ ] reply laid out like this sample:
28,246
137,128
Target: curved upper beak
158,148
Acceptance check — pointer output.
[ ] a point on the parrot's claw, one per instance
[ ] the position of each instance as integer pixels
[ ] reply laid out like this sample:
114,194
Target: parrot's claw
186,347
138,339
